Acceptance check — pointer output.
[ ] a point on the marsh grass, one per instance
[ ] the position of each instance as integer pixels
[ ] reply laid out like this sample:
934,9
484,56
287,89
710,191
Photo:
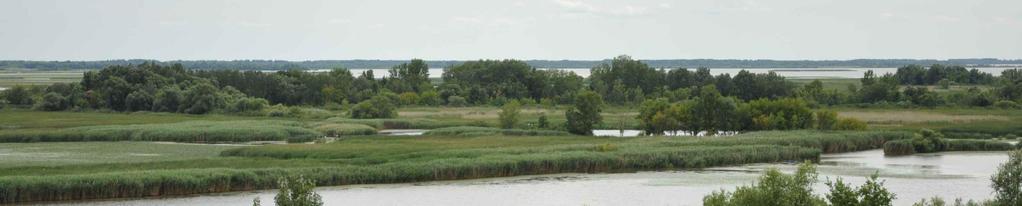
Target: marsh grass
382,159
342,129
480,131
189,131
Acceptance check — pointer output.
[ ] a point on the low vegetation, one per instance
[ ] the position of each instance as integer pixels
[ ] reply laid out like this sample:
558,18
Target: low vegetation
342,129
374,159
189,131
926,141
776,188
482,131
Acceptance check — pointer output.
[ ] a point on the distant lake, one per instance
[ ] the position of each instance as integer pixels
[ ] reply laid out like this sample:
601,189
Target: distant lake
797,73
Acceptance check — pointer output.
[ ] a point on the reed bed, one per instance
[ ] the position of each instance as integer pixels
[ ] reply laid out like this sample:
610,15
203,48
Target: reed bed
906,147
195,181
381,159
409,123
189,131
343,129
480,131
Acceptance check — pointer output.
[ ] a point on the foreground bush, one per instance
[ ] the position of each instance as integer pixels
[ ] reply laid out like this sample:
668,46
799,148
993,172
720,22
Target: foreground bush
1007,182
189,131
481,131
776,188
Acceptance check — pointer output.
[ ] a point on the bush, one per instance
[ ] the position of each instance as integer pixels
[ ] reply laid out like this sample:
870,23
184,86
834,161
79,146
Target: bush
334,130
1007,182
456,101
429,98
297,191
509,114
773,188
409,98
379,106
248,105
849,124
825,120
1005,104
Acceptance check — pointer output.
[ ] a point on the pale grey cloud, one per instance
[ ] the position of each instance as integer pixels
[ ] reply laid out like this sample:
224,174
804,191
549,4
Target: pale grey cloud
527,29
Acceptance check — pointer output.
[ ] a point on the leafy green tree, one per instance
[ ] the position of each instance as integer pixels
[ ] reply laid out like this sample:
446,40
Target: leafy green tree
1007,182
509,114
167,100
138,101
713,113
585,113
647,110
927,140
201,98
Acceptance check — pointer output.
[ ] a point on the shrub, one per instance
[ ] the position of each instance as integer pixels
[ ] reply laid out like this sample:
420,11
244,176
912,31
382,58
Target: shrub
1007,182
872,192
456,101
825,120
409,98
509,114
1005,104
429,98
773,188
379,106
937,201
297,191
849,124
53,102
249,105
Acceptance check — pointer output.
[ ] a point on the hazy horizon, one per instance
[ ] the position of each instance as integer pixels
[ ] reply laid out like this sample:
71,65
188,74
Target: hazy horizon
54,30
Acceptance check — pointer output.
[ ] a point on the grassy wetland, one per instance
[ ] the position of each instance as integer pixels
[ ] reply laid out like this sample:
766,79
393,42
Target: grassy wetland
196,132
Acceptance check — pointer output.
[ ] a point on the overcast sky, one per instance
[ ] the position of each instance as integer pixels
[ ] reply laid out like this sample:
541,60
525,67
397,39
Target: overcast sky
523,29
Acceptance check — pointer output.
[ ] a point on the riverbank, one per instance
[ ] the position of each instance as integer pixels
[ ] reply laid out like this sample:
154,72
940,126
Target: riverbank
379,159
947,174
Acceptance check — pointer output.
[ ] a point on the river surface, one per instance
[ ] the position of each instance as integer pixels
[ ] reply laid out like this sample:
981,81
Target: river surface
950,175
786,72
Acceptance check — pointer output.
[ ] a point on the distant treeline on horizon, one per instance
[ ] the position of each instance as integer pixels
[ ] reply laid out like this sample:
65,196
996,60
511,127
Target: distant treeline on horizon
383,64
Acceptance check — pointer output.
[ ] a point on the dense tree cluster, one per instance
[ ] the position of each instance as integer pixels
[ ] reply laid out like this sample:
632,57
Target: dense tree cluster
919,75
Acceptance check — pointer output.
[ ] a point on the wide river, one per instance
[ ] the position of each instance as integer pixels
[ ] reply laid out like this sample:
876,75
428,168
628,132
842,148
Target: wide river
950,175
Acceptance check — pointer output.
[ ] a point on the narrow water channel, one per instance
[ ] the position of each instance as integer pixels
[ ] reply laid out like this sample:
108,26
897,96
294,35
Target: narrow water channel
949,175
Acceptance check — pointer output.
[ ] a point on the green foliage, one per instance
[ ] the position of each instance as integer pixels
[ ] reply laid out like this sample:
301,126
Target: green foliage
189,131
782,114
484,131
297,191
456,101
430,98
849,124
937,201
409,98
1005,104
509,114
379,106
713,113
1007,181
585,113
53,102
773,188
872,192
18,95
543,123
825,120
927,140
